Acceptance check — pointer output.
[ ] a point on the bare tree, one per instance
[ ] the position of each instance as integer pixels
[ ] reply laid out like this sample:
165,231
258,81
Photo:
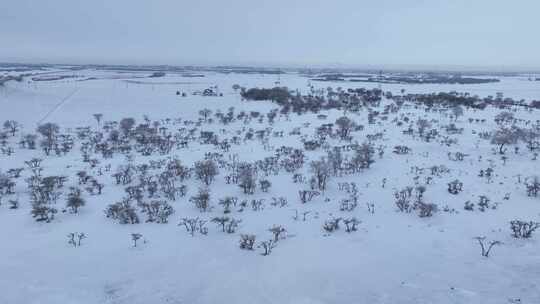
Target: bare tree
227,202
75,200
423,125
363,157
267,246
71,238
205,113
135,237
486,249
533,186
122,211
232,225
206,170
221,221
157,211
202,200
194,225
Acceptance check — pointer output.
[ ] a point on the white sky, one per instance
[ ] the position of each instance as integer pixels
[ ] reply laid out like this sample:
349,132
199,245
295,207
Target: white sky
496,33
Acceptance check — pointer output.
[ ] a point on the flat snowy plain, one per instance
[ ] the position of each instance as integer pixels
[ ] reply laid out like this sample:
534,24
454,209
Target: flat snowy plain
394,257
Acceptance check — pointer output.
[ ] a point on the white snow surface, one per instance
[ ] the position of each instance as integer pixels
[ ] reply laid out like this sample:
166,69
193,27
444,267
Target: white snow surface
393,258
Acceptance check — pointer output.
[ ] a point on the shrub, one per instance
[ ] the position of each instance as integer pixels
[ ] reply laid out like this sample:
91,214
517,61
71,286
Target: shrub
522,229
247,241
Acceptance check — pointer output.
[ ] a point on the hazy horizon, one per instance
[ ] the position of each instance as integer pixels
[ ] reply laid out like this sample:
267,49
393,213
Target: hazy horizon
495,35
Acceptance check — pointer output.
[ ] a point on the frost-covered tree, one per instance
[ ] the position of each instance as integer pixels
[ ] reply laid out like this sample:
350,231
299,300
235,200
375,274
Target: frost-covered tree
455,187
533,186
504,118
523,229
11,126
247,241
98,117
345,126
247,178
277,231
363,157
457,111
126,125
336,159
43,212
350,224
422,125
532,138
321,173
49,132
506,136
265,184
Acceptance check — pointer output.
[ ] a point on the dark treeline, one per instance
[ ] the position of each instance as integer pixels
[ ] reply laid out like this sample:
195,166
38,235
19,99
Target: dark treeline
353,99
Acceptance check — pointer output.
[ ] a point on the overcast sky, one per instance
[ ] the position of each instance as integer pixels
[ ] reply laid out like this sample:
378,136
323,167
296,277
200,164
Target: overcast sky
377,32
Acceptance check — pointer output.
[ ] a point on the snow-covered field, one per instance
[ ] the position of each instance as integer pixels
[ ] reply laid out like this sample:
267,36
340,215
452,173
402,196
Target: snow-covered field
393,257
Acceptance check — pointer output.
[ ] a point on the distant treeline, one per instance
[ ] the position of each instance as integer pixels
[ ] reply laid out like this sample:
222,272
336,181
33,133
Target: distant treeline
434,80
354,99
406,79
4,79
295,102
277,94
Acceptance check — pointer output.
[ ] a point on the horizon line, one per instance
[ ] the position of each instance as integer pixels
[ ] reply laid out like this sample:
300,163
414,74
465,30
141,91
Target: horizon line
298,66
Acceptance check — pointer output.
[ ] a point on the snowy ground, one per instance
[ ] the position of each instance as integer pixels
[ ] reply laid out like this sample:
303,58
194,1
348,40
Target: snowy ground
393,258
